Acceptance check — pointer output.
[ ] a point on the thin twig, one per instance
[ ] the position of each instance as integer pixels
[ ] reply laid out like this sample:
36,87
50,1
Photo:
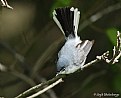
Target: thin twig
116,52
47,88
91,63
35,88
5,4
50,91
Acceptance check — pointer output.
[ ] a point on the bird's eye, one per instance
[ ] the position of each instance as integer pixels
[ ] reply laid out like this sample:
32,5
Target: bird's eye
62,69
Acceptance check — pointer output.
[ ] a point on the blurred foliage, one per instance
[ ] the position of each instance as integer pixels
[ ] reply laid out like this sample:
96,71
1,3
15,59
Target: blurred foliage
117,83
112,33
30,41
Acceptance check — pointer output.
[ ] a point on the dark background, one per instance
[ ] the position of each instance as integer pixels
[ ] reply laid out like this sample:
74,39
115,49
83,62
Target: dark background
30,41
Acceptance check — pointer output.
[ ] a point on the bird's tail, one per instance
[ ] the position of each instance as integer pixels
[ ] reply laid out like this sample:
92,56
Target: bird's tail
67,20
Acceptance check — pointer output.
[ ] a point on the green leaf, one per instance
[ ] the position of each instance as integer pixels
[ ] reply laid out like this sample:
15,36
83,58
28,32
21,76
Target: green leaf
111,33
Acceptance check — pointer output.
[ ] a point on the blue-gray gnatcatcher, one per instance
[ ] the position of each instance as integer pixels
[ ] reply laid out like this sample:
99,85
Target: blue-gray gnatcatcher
73,54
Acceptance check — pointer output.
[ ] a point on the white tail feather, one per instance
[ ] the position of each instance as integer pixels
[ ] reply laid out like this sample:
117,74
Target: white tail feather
76,20
57,22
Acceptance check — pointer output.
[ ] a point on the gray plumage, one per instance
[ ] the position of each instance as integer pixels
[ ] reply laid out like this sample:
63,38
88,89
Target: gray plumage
73,54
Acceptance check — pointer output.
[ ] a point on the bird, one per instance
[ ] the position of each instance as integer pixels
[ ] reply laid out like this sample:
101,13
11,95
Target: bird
73,54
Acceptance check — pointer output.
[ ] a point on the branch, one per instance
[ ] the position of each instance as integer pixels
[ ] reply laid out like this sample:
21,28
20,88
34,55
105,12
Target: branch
5,4
51,93
116,52
35,88
47,88
58,79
